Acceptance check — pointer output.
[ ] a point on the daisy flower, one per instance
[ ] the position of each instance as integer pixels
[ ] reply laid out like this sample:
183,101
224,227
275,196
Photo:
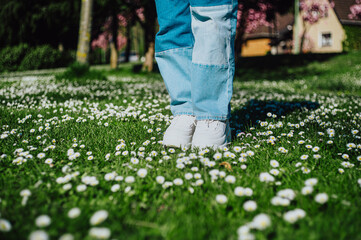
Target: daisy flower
43,221
261,221
129,179
307,190
266,177
142,172
5,225
38,235
221,199
321,198
160,179
100,232
230,179
274,163
98,217
74,213
250,206
115,188
178,181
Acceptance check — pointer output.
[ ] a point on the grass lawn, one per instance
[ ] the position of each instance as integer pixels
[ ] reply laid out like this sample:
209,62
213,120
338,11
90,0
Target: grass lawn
83,159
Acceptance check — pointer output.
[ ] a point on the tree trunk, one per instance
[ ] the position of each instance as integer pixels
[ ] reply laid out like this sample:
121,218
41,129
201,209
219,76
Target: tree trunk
113,44
238,44
239,36
128,47
303,38
113,56
149,34
82,54
148,63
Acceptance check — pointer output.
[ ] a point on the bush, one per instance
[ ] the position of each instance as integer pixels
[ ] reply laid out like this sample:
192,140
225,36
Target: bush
79,71
23,57
11,57
76,70
353,38
41,57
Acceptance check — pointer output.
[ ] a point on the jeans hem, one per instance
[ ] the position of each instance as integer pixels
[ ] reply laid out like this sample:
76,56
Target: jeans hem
183,113
205,65
210,117
212,6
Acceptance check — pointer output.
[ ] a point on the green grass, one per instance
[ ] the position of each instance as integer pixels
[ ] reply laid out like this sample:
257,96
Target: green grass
309,73
101,114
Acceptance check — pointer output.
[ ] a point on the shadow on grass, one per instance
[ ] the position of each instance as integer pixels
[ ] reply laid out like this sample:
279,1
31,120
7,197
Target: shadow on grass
280,67
133,70
257,110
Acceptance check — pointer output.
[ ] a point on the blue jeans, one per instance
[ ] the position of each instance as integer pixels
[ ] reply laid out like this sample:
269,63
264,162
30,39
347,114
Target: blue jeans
194,49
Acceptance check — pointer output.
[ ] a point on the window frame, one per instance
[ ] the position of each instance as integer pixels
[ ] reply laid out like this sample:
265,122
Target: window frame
321,37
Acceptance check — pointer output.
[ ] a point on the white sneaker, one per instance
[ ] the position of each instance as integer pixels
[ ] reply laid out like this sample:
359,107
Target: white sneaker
179,133
211,133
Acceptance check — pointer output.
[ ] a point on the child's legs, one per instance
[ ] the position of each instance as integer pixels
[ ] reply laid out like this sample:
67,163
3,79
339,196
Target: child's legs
173,52
213,27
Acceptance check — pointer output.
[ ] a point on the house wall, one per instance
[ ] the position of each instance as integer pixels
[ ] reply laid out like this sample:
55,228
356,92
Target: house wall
256,47
332,25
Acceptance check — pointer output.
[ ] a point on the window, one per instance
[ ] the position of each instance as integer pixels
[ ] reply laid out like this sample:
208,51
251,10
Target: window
326,39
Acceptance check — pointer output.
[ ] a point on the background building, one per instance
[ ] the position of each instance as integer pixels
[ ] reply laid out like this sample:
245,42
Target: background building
335,32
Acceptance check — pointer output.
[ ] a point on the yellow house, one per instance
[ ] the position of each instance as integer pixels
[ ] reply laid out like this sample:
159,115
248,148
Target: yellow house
325,36
256,47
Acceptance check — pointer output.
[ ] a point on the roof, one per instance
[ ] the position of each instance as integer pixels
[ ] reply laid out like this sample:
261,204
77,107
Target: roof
285,22
342,10
282,23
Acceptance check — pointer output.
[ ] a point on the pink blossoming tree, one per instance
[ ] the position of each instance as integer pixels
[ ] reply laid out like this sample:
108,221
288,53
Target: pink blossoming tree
106,36
250,15
355,11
